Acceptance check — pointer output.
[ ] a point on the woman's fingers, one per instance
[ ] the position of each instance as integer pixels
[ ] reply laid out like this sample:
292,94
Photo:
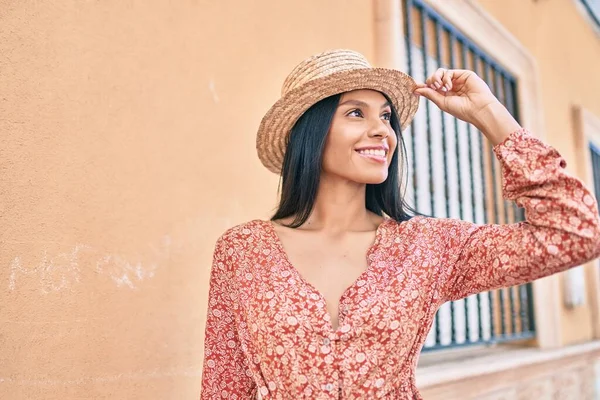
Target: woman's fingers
435,80
429,83
460,93
431,94
441,79
432,81
447,79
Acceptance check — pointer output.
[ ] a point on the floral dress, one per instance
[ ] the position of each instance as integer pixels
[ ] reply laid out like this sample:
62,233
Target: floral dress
269,335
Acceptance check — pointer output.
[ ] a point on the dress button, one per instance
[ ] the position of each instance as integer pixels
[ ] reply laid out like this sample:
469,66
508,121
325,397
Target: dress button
329,387
326,342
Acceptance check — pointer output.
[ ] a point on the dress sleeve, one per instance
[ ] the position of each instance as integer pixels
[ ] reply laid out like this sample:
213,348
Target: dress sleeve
225,374
561,229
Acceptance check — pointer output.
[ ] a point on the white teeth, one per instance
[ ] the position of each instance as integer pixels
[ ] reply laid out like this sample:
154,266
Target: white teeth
372,152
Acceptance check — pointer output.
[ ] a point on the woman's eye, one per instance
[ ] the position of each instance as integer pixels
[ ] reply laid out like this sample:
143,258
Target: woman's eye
387,116
355,113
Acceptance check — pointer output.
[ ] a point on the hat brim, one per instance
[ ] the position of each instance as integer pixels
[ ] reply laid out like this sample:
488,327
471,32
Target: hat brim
272,136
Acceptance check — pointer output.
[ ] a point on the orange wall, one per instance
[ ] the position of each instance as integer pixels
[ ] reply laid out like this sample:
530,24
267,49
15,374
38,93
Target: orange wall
567,50
128,135
128,146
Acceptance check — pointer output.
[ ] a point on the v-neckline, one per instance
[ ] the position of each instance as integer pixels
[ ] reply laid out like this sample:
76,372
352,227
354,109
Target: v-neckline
284,255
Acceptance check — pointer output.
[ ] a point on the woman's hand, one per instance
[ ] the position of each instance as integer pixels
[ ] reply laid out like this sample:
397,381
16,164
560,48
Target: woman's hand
466,96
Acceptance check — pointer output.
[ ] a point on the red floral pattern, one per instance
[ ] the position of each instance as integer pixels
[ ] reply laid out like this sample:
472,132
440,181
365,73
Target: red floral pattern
268,332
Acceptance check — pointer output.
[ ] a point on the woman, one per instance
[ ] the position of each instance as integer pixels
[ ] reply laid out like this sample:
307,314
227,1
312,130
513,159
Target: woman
334,296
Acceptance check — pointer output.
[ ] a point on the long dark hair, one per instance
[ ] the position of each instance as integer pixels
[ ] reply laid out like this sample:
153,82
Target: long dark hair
301,170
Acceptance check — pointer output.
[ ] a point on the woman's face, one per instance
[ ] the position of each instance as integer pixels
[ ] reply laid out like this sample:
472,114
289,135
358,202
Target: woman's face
361,141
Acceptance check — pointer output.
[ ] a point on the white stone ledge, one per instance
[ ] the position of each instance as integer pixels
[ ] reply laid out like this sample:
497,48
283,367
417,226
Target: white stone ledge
500,360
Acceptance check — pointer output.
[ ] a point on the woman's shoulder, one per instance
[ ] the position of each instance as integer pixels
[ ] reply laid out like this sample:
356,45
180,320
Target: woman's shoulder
245,231
432,233
429,223
399,224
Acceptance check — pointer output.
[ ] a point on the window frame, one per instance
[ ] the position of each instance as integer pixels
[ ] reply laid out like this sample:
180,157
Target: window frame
492,37
587,131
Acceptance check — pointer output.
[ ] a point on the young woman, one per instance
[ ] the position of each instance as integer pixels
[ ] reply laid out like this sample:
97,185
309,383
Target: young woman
334,296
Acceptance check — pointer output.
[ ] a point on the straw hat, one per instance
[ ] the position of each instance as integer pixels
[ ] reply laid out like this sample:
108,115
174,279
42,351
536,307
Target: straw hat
320,76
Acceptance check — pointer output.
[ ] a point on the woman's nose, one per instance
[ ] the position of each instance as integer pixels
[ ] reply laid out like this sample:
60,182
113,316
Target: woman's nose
379,129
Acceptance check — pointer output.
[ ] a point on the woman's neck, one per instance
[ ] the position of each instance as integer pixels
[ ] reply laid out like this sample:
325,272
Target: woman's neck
340,207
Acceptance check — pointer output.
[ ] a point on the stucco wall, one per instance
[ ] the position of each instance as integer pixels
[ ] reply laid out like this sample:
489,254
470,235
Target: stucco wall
128,146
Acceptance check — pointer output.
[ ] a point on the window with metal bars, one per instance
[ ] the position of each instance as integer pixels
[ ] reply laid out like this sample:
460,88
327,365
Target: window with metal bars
456,175
595,157
592,7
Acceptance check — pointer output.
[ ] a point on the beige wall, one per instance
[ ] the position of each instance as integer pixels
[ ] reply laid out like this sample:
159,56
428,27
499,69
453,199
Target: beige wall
567,50
128,146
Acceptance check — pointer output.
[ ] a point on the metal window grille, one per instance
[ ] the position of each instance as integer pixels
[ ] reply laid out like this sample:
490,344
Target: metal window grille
456,175
595,157
592,7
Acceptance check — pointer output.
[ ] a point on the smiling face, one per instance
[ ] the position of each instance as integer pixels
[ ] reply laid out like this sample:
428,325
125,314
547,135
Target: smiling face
361,142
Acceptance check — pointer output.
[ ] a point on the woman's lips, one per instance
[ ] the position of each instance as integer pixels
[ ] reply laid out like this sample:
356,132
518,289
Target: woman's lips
374,158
